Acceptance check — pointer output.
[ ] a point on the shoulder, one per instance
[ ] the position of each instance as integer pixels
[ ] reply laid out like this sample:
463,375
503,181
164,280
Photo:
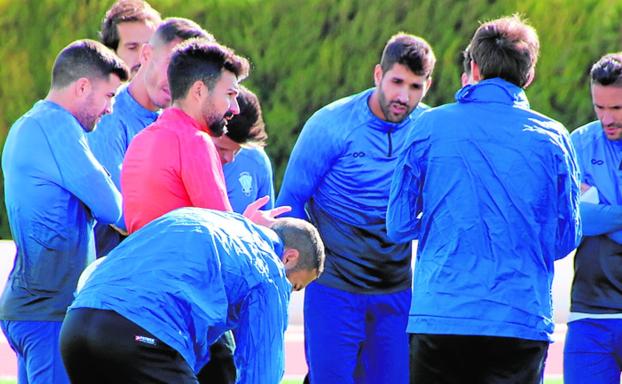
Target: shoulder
586,134
347,112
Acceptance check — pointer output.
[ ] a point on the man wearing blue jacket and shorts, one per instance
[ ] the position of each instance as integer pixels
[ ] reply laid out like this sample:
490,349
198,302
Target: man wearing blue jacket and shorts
593,348
340,170
150,311
490,189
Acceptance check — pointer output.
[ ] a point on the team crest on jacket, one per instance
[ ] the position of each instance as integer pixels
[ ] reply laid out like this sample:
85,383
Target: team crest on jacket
246,181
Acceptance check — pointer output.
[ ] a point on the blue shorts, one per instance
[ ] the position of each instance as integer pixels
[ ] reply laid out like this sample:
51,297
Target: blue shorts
36,344
593,351
356,338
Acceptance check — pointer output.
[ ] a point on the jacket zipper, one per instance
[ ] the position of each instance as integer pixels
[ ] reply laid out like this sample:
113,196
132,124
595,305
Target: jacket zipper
390,144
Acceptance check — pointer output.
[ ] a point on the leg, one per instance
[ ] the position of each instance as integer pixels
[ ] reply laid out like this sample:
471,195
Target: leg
589,354
334,331
22,375
439,359
221,367
36,345
512,360
115,347
385,352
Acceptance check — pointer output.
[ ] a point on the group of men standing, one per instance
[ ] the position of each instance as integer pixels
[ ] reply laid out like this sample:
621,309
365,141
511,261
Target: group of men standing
493,192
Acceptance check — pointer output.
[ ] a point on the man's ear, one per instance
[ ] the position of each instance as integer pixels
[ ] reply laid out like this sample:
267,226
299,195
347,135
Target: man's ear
290,258
475,75
145,53
377,75
197,89
82,87
530,77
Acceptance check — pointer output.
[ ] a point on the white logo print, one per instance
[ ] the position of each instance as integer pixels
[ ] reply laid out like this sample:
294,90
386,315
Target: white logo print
246,181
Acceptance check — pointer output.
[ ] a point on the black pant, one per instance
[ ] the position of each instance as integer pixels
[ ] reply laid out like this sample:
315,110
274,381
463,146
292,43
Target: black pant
221,368
100,346
475,359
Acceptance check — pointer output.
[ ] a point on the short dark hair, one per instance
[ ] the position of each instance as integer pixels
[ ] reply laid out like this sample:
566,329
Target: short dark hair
411,51
248,126
507,48
202,60
607,70
304,237
178,28
466,60
125,11
86,58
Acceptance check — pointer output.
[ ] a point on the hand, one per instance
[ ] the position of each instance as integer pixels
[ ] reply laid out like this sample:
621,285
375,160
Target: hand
121,231
585,187
265,218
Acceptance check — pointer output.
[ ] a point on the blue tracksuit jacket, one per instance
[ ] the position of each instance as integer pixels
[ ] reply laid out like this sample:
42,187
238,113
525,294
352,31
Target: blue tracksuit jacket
192,274
341,168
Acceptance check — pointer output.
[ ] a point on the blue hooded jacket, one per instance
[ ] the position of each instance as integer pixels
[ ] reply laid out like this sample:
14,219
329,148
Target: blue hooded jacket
341,168
192,274
491,190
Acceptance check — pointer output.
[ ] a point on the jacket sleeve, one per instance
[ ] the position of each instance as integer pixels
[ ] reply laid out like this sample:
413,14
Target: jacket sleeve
599,219
405,205
313,155
569,230
201,173
84,176
259,337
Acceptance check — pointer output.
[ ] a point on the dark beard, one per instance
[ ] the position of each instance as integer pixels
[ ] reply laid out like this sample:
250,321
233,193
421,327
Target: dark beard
217,127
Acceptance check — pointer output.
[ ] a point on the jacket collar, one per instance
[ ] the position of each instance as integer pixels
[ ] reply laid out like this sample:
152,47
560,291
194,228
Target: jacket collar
494,90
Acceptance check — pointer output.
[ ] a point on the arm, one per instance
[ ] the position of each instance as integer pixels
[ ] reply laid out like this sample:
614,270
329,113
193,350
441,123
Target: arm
201,173
405,198
312,157
259,353
569,190
599,219
84,176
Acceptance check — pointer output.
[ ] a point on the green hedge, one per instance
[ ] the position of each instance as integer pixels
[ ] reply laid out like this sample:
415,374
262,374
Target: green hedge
308,53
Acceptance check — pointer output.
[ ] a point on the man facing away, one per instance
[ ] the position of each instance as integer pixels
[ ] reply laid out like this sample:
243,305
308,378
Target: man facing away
126,27
491,190
54,189
136,107
151,309
340,170
593,348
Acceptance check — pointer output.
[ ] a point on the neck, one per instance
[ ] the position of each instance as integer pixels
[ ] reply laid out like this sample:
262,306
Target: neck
191,110
374,105
138,90
62,98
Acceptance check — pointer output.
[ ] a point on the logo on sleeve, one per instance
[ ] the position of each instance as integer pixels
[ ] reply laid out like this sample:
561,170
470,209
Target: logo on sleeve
358,154
246,182
597,162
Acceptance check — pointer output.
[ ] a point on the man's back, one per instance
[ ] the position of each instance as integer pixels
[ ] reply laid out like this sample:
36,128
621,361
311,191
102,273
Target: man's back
188,276
492,213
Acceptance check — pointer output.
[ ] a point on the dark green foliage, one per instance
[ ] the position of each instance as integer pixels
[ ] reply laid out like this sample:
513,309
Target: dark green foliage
306,53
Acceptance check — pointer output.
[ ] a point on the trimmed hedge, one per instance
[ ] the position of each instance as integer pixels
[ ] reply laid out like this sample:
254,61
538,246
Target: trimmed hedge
306,53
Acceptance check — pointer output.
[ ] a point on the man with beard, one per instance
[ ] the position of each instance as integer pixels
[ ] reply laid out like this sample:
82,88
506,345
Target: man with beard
136,106
593,348
341,166
490,188
173,163
54,189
